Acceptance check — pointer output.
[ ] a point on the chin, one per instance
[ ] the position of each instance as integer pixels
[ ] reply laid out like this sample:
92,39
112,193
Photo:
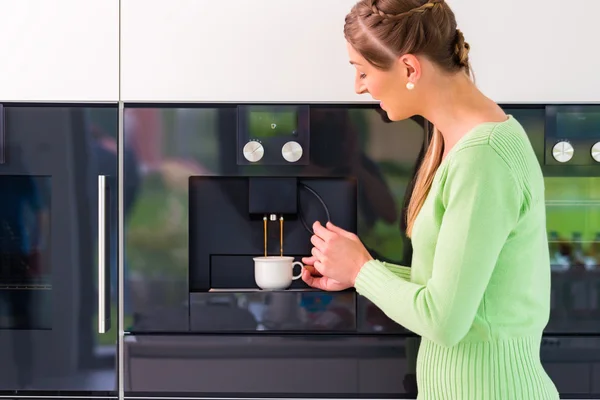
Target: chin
395,116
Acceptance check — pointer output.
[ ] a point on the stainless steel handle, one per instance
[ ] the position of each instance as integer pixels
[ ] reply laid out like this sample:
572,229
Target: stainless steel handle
103,255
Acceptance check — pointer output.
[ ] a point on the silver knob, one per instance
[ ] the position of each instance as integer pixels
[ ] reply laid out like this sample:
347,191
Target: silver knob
563,151
253,151
596,152
291,151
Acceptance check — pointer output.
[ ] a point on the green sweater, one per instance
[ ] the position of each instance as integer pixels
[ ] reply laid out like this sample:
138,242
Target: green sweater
478,292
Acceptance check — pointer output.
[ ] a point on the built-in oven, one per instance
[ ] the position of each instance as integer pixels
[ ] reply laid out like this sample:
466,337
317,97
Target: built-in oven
566,139
195,323
58,238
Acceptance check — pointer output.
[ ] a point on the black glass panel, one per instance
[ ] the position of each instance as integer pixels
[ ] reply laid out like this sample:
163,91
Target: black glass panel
270,366
573,219
166,147
25,265
290,311
317,366
294,330
573,364
49,248
573,224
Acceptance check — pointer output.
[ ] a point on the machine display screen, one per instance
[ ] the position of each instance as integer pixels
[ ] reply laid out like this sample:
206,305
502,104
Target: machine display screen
578,124
265,122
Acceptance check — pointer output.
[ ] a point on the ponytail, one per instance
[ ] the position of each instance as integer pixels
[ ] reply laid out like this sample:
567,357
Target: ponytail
424,178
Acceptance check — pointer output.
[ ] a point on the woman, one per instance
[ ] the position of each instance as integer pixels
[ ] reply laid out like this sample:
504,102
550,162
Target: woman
478,292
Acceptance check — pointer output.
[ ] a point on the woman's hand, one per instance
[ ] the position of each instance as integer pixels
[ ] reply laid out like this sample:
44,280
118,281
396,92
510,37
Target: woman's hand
316,280
337,255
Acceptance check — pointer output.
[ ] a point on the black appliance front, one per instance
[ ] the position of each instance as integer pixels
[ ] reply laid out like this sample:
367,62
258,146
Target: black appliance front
57,182
566,139
197,324
224,184
230,223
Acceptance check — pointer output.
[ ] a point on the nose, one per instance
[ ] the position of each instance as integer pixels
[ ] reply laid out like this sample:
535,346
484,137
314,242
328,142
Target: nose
359,85
360,88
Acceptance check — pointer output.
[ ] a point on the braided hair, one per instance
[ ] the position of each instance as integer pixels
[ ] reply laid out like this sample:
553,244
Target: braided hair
382,30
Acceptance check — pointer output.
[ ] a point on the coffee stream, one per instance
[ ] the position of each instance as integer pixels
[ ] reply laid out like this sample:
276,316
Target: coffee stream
265,233
265,221
281,236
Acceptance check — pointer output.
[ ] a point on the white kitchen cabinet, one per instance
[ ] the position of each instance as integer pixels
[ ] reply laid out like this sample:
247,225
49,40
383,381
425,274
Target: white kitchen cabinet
532,51
59,51
265,50
273,50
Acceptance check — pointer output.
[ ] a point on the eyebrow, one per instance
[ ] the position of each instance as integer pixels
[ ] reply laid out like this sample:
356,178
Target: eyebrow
354,63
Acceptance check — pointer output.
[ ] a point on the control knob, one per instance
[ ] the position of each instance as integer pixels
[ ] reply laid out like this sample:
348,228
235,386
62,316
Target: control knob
291,151
563,151
253,151
596,152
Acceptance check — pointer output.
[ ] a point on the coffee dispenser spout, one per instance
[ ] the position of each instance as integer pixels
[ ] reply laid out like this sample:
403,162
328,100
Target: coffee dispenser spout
265,233
273,217
281,236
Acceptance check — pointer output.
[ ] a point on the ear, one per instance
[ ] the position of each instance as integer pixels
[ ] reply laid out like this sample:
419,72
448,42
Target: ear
411,67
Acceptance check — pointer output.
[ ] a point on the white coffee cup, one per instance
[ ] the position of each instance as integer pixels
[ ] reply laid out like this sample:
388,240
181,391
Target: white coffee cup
275,272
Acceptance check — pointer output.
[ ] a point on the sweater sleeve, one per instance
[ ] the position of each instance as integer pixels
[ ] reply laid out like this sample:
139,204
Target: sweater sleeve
399,270
481,205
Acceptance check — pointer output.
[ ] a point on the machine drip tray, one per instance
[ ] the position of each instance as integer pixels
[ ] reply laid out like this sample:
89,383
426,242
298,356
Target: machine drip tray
292,310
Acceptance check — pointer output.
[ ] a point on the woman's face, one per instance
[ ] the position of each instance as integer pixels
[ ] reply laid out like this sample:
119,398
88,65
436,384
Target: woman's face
388,87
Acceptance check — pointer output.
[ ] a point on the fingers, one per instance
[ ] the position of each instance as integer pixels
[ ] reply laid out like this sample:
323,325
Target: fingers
329,231
313,261
319,267
339,231
318,255
313,281
322,232
312,270
309,260
318,242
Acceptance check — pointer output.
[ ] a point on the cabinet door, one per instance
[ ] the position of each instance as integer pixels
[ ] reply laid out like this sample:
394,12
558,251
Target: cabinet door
268,50
275,51
62,50
529,52
58,237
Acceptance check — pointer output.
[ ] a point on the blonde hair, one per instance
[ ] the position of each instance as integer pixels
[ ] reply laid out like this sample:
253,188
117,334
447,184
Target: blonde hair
382,30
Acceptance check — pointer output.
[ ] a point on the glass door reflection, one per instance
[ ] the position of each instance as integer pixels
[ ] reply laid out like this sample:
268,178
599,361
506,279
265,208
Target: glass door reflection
573,220
50,209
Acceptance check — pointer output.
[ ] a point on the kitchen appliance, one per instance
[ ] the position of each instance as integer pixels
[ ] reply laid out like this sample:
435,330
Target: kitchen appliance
565,139
197,325
233,219
231,176
57,208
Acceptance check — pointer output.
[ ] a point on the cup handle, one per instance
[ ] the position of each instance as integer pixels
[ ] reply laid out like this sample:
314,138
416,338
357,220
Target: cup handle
301,267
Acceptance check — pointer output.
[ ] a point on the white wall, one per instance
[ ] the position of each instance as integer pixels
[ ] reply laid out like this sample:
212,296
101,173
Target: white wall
59,50
273,50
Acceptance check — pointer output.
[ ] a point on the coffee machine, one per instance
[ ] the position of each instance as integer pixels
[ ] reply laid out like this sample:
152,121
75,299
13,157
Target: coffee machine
248,180
233,218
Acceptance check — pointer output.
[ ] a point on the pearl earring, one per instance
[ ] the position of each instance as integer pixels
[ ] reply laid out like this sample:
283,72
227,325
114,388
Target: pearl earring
410,86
